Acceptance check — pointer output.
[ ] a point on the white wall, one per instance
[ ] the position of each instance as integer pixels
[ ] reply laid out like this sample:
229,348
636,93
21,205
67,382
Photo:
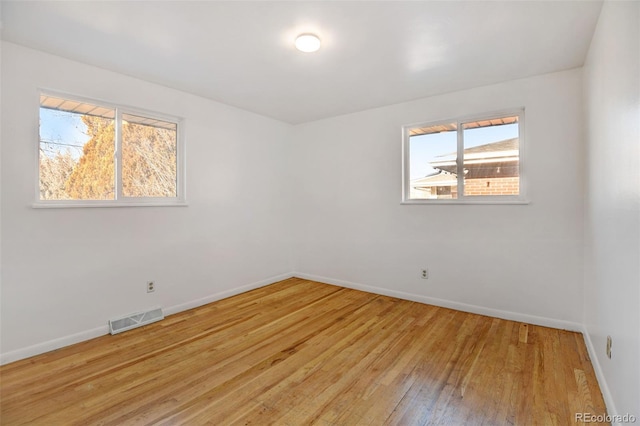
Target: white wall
328,207
612,207
508,260
325,202
67,271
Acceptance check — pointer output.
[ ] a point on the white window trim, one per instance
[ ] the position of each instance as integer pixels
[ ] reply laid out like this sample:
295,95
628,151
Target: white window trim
521,198
179,201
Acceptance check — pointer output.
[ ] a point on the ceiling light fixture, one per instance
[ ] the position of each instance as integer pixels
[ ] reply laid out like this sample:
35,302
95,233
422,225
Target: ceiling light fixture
307,43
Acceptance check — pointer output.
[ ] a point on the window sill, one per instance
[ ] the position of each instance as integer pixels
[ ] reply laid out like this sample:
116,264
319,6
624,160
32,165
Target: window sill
100,204
467,202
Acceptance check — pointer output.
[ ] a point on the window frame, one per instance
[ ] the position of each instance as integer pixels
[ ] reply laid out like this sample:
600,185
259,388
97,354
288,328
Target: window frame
521,198
120,200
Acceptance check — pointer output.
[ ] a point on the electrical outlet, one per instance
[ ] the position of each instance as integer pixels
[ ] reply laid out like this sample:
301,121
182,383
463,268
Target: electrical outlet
609,347
424,274
151,287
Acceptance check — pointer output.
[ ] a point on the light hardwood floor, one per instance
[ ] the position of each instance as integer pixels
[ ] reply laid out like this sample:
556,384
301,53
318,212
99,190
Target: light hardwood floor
300,352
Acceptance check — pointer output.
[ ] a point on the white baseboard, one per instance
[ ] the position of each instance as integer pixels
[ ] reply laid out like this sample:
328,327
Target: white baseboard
513,316
224,294
54,344
606,393
50,345
474,309
82,336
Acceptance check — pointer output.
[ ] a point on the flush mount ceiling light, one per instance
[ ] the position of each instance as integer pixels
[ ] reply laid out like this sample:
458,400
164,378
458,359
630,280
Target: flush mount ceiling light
307,43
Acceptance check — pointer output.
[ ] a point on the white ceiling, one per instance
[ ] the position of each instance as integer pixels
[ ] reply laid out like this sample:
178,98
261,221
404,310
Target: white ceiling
373,53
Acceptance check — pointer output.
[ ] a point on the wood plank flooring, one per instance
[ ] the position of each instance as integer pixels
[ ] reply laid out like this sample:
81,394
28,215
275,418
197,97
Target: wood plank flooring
300,352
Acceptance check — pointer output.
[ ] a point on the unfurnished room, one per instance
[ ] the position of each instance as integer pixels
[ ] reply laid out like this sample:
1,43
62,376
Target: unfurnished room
320,212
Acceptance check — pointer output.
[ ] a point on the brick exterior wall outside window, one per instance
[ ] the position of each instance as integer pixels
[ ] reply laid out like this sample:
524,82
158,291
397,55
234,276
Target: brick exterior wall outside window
492,186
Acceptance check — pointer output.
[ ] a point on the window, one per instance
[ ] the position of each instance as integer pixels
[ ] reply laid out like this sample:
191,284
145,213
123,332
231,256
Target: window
93,154
474,160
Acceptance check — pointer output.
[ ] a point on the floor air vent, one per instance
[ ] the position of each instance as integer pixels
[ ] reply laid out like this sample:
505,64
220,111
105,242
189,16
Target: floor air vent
135,320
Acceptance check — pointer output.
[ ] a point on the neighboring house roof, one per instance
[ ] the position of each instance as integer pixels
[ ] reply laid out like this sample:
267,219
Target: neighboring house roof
496,159
495,147
437,179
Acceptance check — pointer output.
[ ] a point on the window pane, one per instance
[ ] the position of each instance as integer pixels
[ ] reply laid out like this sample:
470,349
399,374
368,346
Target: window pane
77,146
432,162
149,157
491,157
